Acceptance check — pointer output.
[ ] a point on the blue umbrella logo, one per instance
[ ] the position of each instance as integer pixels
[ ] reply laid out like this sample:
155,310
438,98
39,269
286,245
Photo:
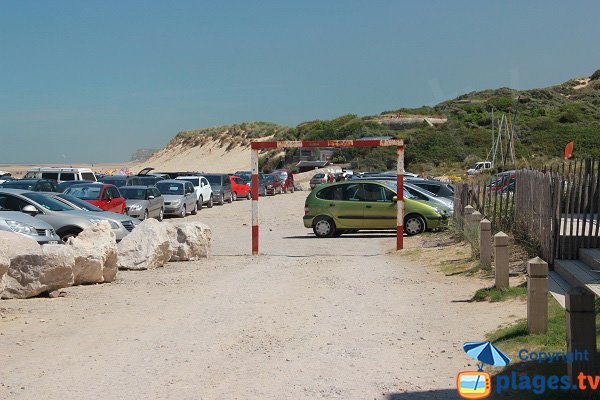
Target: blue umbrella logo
486,353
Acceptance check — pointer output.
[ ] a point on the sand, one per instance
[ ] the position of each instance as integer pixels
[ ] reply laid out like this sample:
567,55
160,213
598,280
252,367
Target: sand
340,318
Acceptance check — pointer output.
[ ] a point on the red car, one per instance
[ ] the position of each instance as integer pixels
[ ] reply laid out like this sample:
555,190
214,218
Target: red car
104,196
239,188
287,179
273,184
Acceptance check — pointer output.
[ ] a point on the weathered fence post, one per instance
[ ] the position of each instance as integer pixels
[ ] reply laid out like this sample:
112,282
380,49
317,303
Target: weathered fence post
485,243
475,218
501,259
537,296
467,215
581,332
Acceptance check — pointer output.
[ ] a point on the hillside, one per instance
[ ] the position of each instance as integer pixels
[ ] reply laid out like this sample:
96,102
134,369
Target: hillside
447,136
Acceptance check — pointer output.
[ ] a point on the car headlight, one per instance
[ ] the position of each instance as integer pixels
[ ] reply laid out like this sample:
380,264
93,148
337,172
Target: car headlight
20,227
135,207
113,224
177,202
136,221
437,210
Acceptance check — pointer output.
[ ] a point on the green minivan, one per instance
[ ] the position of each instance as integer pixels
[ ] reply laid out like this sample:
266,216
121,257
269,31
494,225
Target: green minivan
337,208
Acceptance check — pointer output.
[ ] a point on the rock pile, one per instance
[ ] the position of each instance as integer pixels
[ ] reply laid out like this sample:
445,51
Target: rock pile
28,269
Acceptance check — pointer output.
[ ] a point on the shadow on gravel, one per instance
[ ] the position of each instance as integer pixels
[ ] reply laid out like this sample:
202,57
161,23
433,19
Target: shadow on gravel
427,395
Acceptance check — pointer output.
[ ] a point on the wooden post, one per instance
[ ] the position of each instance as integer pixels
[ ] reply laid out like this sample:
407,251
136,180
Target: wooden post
581,332
537,296
485,243
475,218
467,215
501,259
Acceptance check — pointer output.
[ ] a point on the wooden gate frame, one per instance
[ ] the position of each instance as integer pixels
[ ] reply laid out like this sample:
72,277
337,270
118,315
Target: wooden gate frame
398,143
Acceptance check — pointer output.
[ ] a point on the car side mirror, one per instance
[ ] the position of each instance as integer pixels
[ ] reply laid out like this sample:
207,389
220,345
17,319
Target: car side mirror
150,197
395,199
31,210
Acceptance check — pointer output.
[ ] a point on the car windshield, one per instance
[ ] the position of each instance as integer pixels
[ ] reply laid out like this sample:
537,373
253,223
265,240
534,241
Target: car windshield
133,194
91,192
193,181
170,187
214,180
118,181
18,185
84,205
245,176
48,202
149,180
269,178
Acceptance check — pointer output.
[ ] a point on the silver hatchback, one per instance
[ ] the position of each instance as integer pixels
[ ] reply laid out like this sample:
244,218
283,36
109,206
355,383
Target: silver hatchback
180,197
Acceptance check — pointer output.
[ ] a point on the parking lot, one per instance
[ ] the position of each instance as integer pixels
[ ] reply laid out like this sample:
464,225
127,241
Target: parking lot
316,318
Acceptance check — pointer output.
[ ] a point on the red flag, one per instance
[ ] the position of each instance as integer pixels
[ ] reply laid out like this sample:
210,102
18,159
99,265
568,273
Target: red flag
569,150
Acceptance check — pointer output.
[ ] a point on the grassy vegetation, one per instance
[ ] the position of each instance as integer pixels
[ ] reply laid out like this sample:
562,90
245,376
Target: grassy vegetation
514,338
494,295
545,120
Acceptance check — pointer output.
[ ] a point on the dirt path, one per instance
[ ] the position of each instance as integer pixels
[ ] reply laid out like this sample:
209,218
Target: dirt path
368,325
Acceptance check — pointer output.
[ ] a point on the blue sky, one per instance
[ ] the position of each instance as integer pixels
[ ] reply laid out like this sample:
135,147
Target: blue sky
91,81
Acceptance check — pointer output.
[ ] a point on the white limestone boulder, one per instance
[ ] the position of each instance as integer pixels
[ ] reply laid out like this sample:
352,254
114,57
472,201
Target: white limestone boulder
188,240
34,272
12,243
146,247
95,252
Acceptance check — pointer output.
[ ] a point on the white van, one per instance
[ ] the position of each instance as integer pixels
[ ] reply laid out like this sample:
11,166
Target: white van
61,174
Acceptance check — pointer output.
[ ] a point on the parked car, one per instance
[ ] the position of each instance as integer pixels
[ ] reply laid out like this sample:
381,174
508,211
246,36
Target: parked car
26,225
318,179
442,189
61,174
34,185
143,202
121,180
128,222
66,221
287,179
6,177
247,176
106,197
502,182
445,205
333,209
150,180
239,188
204,193
180,197
61,187
273,184
221,187
479,167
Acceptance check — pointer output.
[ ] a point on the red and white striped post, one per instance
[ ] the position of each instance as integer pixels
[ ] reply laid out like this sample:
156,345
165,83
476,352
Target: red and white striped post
254,159
256,146
400,198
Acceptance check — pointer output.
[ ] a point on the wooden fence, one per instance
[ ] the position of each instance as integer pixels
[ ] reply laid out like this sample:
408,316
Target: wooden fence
556,209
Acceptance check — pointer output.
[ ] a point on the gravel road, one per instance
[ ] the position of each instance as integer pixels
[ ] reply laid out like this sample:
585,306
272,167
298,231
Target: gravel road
343,318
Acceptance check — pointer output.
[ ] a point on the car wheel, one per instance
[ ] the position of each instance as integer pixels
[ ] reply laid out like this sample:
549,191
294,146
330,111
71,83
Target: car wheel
292,189
414,224
161,214
183,212
222,201
145,215
230,198
210,202
200,203
233,196
323,227
195,209
284,190
249,196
